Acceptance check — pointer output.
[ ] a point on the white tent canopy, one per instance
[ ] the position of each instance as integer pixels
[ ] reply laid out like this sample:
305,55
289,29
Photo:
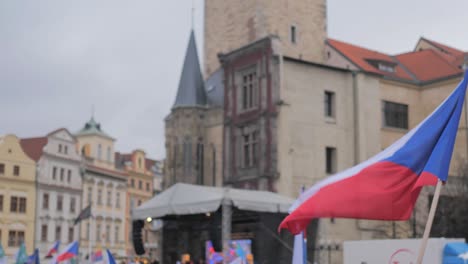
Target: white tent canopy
185,199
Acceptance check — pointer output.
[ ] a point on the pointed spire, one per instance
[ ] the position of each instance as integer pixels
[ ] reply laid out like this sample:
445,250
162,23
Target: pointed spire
191,91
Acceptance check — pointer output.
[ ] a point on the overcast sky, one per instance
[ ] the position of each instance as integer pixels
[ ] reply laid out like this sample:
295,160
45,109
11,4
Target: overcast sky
59,58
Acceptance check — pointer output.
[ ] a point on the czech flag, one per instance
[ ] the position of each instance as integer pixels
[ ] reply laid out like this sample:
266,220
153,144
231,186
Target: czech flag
97,256
53,250
70,251
386,186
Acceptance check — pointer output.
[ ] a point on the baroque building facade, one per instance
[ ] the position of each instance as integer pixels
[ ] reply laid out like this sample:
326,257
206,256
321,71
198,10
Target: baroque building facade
59,181
17,196
104,188
140,171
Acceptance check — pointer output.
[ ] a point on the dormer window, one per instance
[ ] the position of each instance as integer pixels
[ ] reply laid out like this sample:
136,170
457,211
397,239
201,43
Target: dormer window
382,65
386,68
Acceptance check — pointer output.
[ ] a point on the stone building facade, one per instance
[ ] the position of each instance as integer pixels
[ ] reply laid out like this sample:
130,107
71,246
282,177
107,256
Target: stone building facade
194,126
104,188
59,181
300,26
296,110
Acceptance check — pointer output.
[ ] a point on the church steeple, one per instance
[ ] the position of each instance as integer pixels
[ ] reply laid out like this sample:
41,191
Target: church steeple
191,91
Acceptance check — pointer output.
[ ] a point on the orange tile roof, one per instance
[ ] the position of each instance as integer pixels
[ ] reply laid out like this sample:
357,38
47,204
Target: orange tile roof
33,147
449,50
428,65
361,57
417,66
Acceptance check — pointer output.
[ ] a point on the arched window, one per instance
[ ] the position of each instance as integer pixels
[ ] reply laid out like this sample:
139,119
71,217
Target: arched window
187,157
174,161
200,165
139,163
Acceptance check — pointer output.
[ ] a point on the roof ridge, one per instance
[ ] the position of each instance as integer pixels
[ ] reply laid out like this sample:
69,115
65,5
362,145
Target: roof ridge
444,60
360,47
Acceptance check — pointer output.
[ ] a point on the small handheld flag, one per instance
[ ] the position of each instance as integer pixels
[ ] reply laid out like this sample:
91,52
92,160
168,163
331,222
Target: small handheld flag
386,186
53,250
34,258
84,214
69,252
3,257
97,256
21,257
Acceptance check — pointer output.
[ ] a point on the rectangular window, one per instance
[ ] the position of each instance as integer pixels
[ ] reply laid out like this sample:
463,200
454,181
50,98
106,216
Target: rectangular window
250,149
69,176
140,185
59,203
330,156
109,198
60,148
16,170
329,104
15,238
87,231
22,205
72,204
45,201
99,197
19,237
108,233
116,234
90,195
65,149
62,174
1,203
54,173
58,233
44,233
13,204
98,232
249,90
132,183
395,115
12,238
2,168
117,200
147,187
293,34
70,234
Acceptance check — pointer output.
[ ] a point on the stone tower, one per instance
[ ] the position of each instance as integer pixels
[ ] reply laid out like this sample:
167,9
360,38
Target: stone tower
300,25
191,150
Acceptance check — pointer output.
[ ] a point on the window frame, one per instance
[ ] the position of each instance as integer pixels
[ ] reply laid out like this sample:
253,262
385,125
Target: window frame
250,148
329,104
331,160
14,204
400,112
16,170
248,99
293,34
44,231
45,201
59,205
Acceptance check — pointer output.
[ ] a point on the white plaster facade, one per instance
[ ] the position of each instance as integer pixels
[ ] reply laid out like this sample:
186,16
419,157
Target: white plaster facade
58,177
